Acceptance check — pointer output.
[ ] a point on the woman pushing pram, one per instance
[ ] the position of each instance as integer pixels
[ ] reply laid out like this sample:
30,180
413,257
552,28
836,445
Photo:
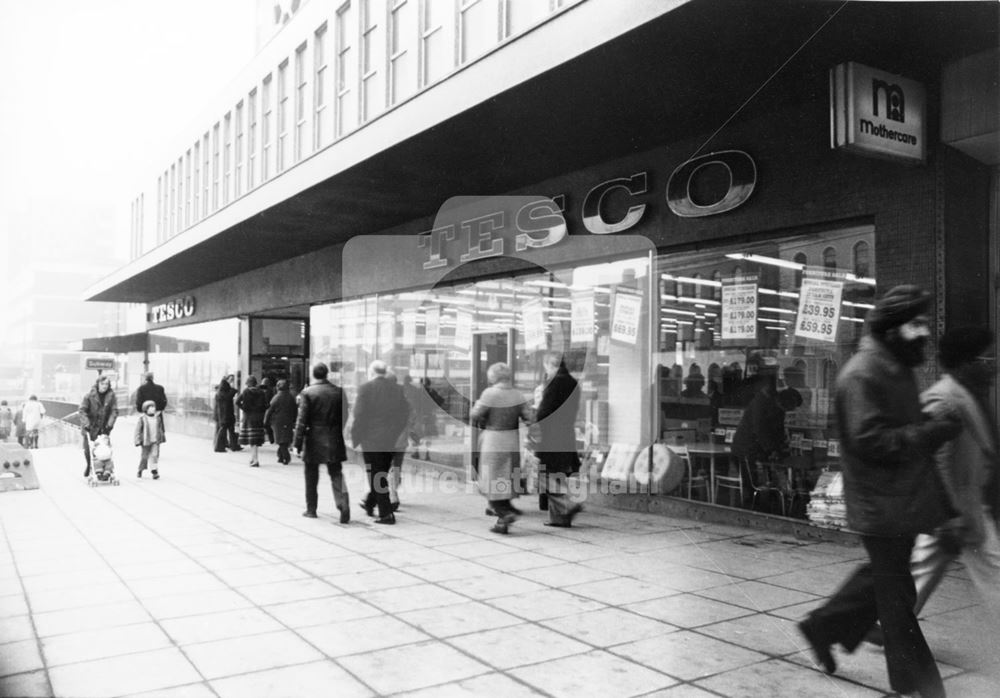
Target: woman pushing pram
98,412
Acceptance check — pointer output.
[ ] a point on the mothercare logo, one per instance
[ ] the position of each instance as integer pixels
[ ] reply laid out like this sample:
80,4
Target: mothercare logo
877,113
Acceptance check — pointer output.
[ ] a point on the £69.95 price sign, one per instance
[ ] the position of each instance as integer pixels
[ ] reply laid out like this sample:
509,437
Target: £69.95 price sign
625,318
819,309
739,311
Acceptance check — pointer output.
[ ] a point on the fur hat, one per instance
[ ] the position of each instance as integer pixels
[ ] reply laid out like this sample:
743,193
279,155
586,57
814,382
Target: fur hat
898,306
147,404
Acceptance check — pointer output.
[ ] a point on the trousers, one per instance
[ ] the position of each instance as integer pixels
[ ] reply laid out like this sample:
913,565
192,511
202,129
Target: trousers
336,472
882,590
377,464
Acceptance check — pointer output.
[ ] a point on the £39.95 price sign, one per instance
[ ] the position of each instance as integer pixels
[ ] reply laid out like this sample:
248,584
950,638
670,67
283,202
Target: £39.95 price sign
819,309
739,311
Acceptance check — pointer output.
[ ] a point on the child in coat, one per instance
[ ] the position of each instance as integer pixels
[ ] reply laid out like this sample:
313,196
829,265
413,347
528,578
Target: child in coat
148,436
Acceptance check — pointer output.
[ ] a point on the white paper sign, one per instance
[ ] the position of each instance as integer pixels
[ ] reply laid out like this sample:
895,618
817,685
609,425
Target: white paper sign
409,328
582,320
819,309
432,326
625,318
463,331
533,326
739,311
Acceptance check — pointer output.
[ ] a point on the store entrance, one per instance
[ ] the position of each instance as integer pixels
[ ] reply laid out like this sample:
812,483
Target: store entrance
488,348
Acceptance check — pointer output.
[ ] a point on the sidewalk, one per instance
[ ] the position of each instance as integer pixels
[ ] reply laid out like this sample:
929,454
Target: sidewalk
208,582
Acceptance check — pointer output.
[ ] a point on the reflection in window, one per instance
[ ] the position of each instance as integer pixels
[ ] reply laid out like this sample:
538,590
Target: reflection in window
862,259
830,258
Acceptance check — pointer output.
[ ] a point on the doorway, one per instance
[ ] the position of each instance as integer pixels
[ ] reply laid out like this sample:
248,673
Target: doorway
488,348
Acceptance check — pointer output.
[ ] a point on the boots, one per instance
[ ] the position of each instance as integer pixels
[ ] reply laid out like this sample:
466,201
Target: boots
341,499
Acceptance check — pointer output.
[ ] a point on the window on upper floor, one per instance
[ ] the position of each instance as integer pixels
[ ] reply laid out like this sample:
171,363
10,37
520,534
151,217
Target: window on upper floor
402,49
252,139
437,35
320,76
282,116
265,129
301,85
479,27
345,70
373,58
238,151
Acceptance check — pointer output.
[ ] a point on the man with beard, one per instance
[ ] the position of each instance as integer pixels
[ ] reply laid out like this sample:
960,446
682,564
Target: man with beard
892,492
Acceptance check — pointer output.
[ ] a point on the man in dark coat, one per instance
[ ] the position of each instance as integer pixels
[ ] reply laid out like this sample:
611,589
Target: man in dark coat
98,413
151,391
225,418
319,438
556,448
380,416
280,419
892,492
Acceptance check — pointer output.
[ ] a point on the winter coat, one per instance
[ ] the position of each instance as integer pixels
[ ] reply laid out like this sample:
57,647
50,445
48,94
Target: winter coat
149,430
253,402
319,425
280,416
225,412
556,418
498,413
98,412
380,415
32,414
890,483
151,391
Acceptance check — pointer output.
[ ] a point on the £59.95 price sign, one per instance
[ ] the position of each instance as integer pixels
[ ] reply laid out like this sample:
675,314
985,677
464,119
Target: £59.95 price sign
819,309
739,311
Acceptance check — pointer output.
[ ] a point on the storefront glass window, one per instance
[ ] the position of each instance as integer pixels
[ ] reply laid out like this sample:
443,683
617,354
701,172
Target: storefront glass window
188,362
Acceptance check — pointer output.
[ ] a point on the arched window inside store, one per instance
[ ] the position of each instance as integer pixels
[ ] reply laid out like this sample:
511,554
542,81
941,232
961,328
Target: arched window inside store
800,258
862,259
830,258
829,377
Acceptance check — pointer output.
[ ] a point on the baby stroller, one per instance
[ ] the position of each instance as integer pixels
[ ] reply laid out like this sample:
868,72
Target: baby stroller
102,466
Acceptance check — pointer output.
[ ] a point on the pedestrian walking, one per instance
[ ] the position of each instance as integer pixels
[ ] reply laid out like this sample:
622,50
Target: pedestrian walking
98,413
969,469
6,421
892,492
280,419
148,437
253,404
556,447
151,391
267,385
225,418
319,439
380,415
498,413
32,414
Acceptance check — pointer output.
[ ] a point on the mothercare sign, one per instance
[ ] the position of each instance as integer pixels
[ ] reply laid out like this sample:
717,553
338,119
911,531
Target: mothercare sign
877,113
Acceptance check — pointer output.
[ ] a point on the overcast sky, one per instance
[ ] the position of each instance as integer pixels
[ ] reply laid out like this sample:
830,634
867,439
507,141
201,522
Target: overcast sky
89,86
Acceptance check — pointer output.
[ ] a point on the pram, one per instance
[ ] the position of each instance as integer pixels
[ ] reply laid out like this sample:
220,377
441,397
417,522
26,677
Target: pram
102,465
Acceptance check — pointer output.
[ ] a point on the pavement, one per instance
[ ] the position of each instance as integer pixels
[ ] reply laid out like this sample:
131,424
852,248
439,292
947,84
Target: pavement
209,582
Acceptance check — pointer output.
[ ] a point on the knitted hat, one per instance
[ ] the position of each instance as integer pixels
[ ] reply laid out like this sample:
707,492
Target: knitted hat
147,404
898,306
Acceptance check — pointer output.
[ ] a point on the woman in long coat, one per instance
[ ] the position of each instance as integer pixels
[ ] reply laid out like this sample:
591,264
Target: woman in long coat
253,402
225,418
498,413
280,417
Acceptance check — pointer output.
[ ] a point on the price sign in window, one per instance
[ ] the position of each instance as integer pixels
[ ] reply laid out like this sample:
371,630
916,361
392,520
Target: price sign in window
739,311
819,309
625,319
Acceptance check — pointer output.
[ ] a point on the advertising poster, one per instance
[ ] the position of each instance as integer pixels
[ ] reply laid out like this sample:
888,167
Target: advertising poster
582,320
432,328
463,331
625,317
819,309
533,321
739,310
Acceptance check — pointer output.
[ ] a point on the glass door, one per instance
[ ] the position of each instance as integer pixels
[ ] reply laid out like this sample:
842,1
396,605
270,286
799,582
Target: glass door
488,348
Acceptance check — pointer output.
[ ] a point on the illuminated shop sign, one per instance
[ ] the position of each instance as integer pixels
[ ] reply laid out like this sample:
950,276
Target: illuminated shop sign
731,176
176,309
877,113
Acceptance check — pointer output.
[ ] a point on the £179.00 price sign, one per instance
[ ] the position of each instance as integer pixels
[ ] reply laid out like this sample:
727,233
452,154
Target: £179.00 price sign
819,309
739,311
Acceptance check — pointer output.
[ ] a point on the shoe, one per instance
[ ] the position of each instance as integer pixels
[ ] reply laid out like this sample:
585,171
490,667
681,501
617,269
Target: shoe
390,519
255,465
499,527
395,507
139,474
86,473
369,508
156,475
490,512
220,450
345,516
875,637
821,650
309,514
558,524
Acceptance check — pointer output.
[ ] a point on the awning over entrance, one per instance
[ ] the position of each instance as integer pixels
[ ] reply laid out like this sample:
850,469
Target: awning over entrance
683,75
